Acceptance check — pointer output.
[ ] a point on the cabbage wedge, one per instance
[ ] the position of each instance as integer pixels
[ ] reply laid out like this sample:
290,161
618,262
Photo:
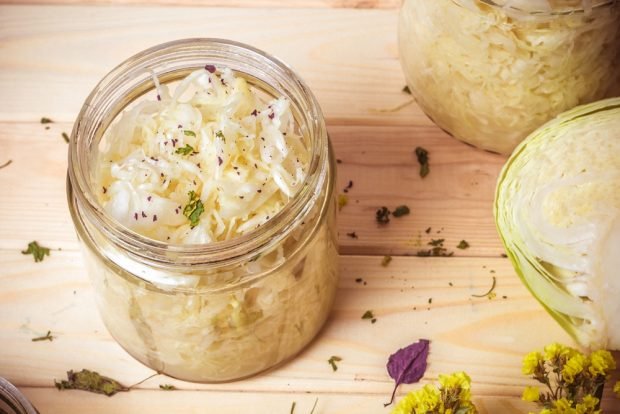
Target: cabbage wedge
557,210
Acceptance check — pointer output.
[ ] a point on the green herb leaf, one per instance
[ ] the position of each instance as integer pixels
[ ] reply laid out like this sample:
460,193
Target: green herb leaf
45,120
406,90
490,292
37,251
436,242
186,150
220,134
332,361
189,133
463,245
383,215
6,164
65,137
343,200
167,387
47,337
386,261
193,209
90,381
369,315
422,155
401,211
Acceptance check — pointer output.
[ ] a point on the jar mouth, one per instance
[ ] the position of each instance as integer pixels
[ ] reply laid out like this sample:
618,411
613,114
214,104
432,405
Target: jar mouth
168,61
542,7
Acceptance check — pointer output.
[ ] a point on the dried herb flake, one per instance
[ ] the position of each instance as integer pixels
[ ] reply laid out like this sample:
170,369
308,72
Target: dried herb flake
352,235
189,133
463,245
167,387
422,155
38,252
343,200
406,90
401,211
407,365
186,150
332,361
47,337
348,187
6,164
65,137
490,293
368,315
90,381
45,120
383,215
386,260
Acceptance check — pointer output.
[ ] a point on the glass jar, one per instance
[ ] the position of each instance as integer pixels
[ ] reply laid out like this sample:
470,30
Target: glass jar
12,401
490,72
224,310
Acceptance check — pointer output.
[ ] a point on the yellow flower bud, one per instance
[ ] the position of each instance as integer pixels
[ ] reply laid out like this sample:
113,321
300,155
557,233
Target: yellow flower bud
531,362
531,394
573,367
601,362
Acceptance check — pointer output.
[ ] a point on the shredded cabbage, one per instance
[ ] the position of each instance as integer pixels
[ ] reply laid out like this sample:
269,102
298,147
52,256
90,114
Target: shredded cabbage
557,210
239,153
490,75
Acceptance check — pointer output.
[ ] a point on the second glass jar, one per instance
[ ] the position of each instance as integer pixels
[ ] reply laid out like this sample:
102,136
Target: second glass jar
490,72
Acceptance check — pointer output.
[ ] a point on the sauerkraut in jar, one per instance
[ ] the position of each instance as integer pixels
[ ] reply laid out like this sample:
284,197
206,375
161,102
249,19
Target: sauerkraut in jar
201,186
490,72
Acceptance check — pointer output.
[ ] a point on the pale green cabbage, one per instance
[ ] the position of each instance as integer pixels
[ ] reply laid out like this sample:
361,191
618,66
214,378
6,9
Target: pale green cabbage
557,209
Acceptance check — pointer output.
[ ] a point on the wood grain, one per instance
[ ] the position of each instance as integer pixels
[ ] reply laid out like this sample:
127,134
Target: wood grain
336,4
485,339
454,200
51,57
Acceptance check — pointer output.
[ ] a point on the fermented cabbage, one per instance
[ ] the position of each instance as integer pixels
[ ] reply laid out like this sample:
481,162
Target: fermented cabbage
557,209
247,158
236,153
490,72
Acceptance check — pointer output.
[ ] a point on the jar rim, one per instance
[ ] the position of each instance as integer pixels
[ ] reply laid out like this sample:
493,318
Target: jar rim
543,8
209,50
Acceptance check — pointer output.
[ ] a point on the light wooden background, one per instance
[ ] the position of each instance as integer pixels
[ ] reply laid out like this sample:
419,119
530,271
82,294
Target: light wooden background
53,53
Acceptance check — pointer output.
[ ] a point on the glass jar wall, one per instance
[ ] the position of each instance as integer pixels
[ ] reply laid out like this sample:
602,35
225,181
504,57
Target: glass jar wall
224,310
490,72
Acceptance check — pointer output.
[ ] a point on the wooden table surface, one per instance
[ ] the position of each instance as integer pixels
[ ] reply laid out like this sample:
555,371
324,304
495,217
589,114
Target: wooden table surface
51,56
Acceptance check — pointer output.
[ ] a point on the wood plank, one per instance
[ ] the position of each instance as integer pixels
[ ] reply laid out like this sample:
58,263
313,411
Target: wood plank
336,4
51,57
455,199
488,338
52,401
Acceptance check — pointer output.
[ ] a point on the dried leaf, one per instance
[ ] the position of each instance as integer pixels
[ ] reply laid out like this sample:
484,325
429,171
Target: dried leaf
332,361
167,387
401,211
463,245
407,365
37,251
90,381
422,156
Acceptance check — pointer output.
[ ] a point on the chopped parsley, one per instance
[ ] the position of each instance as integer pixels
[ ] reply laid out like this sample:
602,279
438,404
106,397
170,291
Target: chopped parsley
65,137
422,155
463,245
189,133
220,134
437,250
186,150
45,120
332,361
401,211
193,209
37,251
167,387
383,215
